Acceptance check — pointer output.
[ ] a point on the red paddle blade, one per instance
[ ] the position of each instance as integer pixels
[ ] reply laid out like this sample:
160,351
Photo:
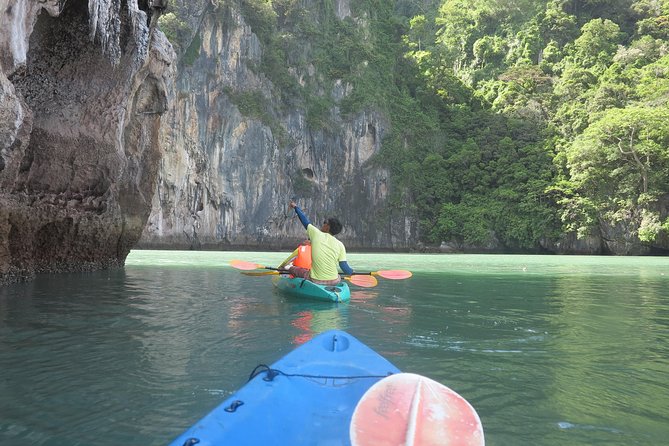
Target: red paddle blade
363,281
407,409
395,274
244,265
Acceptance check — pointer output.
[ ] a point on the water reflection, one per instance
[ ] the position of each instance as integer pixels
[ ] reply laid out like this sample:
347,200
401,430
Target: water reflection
319,318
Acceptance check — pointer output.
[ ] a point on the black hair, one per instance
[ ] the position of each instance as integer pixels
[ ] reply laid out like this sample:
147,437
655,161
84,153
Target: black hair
335,226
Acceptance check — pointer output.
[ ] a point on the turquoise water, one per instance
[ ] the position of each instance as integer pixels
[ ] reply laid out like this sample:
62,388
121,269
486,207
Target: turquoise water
550,350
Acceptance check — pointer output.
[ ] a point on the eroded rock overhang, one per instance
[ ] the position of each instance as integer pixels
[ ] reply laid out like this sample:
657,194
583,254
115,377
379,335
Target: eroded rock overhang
83,86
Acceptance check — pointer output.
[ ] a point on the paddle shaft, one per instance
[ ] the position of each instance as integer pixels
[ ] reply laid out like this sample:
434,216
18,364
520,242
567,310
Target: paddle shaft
355,280
386,274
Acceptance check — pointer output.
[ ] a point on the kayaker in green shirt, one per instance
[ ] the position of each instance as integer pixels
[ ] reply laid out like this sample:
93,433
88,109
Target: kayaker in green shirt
327,253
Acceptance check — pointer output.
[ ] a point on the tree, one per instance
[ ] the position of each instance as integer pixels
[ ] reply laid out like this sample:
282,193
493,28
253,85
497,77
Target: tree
627,143
619,166
557,25
597,44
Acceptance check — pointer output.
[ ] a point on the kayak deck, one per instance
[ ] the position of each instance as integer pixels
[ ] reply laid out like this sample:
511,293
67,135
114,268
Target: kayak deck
305,398
299,287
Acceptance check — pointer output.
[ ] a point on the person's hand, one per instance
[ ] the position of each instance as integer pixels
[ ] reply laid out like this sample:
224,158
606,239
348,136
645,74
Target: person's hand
292,204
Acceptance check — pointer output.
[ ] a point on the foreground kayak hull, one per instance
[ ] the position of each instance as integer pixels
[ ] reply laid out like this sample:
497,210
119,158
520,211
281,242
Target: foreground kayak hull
309,401
299,287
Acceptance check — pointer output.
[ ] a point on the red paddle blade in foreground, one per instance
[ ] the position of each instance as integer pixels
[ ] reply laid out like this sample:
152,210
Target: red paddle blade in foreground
395,274
406,408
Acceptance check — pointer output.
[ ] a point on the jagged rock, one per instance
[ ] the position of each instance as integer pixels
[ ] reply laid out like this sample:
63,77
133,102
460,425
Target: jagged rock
81,96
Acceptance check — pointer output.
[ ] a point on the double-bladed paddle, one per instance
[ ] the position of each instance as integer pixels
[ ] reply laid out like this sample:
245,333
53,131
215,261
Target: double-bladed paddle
365,280
361,281
392,274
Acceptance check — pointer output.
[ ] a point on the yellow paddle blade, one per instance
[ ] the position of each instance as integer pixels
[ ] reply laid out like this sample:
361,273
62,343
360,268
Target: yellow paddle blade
260,273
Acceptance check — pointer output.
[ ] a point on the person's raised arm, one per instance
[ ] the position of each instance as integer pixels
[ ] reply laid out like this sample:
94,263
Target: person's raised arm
303,218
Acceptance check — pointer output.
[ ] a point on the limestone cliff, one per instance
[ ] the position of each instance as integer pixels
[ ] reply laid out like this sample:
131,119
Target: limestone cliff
82,90
230,168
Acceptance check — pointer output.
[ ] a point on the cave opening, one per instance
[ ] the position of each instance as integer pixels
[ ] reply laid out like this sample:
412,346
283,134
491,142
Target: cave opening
308,173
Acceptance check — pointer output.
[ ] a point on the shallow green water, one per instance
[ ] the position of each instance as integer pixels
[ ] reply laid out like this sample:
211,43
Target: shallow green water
549,350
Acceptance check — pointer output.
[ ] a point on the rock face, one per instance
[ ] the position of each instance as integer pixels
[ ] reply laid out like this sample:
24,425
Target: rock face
228,173
82,91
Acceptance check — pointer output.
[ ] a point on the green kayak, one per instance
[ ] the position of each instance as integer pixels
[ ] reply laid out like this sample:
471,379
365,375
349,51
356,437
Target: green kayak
296,286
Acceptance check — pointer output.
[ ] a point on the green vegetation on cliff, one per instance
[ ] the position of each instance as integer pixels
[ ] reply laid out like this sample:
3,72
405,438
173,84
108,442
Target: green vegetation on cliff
553,119
512,122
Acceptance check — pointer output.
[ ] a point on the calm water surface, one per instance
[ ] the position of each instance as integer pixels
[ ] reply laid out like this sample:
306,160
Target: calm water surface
549,350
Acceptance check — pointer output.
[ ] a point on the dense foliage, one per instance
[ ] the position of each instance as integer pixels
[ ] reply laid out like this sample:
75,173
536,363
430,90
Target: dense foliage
588,80
513,122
